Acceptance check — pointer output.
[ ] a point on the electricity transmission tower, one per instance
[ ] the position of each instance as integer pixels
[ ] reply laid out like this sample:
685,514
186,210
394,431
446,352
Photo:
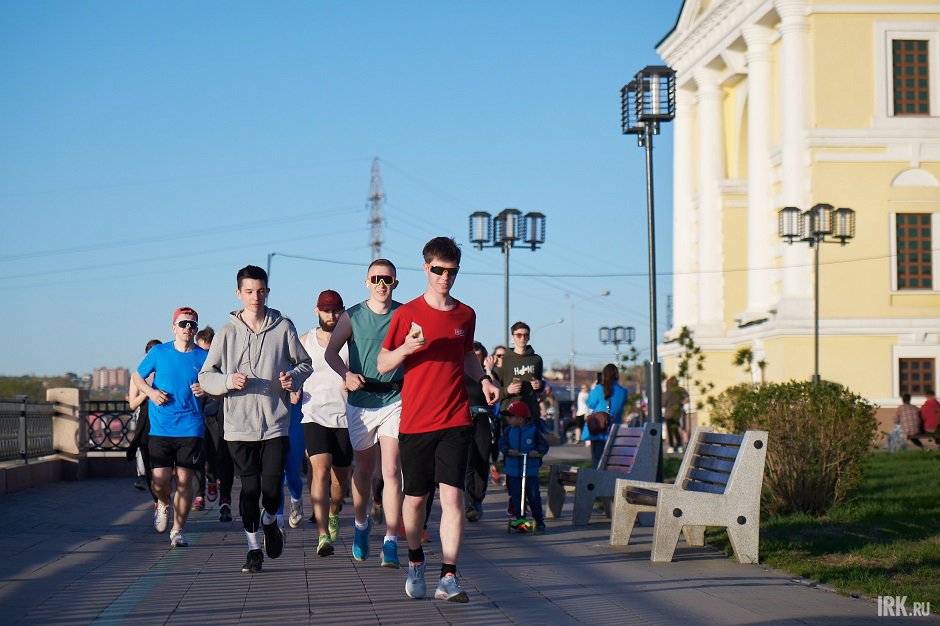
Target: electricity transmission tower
376,198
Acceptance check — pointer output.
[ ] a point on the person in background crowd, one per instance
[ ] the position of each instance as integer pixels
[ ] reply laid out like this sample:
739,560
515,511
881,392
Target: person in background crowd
930,413
608,397
521,372
481,436
908,418
139,445
220,469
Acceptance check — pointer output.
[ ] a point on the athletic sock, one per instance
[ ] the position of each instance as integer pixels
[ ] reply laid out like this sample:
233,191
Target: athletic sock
254,540
363,525
416,556
267,518
392,538
447,568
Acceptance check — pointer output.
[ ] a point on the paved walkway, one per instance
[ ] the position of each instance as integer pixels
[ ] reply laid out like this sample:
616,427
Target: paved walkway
85,553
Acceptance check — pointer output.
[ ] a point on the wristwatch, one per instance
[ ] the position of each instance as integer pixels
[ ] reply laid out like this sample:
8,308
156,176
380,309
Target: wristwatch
485,377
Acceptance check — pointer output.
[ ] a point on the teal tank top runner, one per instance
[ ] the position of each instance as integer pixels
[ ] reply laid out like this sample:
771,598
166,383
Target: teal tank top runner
368,333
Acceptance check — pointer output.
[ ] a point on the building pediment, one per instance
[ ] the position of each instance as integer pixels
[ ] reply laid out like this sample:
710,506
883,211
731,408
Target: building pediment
704,30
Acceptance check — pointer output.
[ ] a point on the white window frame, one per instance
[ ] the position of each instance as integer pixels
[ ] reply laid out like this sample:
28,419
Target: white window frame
935,256
913,352
885,33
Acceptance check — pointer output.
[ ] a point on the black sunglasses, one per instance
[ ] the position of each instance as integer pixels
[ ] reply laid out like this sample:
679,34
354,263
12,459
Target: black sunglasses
188,324
451,271
388,281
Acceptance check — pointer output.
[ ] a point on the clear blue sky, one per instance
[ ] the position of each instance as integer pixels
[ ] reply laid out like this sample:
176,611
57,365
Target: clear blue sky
150,149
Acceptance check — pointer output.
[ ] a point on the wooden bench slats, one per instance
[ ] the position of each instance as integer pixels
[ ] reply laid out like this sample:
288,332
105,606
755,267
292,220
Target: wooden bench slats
621,450
704,494
713,463
718,478
722,452
692,485
631,441
620,468
630,452
722,439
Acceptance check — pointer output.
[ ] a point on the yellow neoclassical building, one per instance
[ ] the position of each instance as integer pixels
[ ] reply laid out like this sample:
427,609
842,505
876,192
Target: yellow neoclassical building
794,103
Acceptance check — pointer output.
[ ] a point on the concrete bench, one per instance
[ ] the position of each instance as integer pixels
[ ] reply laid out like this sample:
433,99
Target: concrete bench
928,441
629,452
719,484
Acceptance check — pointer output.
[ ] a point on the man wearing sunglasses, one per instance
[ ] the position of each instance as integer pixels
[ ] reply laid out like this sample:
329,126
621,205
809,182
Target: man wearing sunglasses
176,420
373,407
432,337
520,372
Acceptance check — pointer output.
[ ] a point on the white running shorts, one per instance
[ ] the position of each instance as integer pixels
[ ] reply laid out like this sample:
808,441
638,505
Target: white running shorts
367,425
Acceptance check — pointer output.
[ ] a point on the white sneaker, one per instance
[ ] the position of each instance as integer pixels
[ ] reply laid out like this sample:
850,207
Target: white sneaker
296,513
161,516
177,540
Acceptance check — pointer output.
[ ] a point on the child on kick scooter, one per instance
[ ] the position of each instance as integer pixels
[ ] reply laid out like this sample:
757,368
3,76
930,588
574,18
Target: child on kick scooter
523,447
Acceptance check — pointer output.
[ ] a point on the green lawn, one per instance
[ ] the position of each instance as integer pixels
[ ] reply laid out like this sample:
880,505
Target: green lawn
884,541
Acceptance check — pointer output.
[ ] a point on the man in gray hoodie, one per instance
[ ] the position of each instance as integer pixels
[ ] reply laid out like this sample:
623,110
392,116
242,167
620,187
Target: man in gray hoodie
255,361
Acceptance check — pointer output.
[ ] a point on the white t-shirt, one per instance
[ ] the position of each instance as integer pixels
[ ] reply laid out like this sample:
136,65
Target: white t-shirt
582,403
324,395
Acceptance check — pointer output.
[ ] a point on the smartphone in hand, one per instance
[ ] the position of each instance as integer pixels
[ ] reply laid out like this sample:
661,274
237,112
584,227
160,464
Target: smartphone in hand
416,331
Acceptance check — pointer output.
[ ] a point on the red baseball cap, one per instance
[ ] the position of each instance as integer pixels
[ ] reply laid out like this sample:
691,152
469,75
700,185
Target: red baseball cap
185,310
329,300
519,409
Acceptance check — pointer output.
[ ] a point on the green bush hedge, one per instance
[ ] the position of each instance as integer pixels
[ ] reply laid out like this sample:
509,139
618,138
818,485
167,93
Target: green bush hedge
818,436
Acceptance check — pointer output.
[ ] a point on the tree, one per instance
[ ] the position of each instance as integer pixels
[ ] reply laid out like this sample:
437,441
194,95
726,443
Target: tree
690,367
744,358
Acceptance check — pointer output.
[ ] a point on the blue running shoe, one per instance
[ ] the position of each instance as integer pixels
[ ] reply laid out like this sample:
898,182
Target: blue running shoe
361,542
390,554
449,589
415,586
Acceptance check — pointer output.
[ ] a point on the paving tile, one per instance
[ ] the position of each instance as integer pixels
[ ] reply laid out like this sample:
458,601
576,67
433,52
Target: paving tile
90,556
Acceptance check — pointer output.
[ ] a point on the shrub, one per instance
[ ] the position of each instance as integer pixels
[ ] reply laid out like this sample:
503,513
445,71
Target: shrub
818,436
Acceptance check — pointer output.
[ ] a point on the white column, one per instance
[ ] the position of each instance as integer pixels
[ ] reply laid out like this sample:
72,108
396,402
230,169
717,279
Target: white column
710,174
761,218
794,116
684,219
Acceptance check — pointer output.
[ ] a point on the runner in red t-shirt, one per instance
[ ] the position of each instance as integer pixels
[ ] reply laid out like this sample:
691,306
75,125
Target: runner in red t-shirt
432,336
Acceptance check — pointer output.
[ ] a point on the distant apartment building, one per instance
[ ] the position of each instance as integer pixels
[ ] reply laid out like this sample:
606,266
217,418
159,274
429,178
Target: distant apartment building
105,378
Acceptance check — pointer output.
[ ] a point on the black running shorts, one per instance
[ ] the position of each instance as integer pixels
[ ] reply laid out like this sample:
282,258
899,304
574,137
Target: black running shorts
321,439
439,456
178,451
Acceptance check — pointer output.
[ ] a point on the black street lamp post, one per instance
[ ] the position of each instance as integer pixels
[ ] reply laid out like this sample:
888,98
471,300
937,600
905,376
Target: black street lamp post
617,335
646,101
504,231
814,227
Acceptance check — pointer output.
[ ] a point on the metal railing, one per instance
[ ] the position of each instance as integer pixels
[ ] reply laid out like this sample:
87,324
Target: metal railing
110,424
25,429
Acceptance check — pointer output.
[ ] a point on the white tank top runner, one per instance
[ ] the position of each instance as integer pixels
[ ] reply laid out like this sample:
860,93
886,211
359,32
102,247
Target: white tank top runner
324,396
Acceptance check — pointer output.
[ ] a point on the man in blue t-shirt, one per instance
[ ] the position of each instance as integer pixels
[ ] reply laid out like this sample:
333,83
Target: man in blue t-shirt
176,419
